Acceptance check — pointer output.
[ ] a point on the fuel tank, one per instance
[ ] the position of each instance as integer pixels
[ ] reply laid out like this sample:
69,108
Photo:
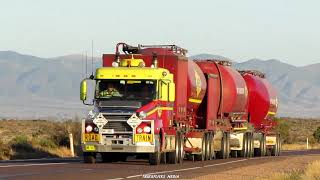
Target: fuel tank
263,100
227,92
231,86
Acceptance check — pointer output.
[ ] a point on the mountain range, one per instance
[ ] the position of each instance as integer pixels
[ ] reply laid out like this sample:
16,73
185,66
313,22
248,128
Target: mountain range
34,87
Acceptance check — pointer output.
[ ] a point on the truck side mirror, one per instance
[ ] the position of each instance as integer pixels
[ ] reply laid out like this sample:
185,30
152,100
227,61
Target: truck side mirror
172,92
83,90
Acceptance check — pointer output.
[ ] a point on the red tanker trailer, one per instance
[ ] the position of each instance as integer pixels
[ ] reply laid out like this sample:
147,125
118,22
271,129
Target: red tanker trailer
168,107
263,105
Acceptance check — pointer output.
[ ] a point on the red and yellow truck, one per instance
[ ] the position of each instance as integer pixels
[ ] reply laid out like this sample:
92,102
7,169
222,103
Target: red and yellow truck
154,102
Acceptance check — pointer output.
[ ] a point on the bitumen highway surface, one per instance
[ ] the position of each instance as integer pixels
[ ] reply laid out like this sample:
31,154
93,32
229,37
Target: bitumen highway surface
74,168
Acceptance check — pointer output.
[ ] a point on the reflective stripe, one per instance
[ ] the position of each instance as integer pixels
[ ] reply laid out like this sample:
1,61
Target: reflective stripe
242,128
195,100
272,113
162,108
152,111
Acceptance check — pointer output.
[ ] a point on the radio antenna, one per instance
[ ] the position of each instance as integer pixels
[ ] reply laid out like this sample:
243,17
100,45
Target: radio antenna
91,77
86,64
82,64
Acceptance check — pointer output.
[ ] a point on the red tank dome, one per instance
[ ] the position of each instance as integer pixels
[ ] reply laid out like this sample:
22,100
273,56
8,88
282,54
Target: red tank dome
263,101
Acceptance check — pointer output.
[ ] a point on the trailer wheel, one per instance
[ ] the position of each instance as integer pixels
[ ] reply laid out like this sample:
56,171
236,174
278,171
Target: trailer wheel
211,152
279,146
207,147
155,158
244,151
225,150
261,151
275,149
251,145
181,148
228,145
163,158
202,155
172,157
89,157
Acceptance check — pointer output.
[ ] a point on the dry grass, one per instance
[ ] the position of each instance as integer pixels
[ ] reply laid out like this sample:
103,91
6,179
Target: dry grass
37,138
300,146
300,129
60,151
312,172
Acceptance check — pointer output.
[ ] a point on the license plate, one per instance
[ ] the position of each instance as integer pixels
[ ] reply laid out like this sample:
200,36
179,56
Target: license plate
91,137
90,148
143,138
108,131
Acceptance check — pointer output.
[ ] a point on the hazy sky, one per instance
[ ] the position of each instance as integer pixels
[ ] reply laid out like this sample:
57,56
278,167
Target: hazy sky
288,30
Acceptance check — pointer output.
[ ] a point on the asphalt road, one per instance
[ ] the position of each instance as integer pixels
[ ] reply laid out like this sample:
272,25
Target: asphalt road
59,169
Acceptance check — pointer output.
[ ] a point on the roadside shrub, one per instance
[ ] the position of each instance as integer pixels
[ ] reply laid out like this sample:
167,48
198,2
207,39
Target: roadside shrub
20,143
20,139
316,134
48,143
283,128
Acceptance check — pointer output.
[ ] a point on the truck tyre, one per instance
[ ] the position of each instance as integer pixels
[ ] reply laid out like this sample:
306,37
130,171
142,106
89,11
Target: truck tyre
155,158
202,155
181,148
223,153
275,149
172,157
228,145
261,151
279,145
89,157
211,152
207,147
251,145
243,152
163,158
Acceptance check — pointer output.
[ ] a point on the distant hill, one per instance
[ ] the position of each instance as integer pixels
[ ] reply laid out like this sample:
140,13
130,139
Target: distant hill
34,87
40,87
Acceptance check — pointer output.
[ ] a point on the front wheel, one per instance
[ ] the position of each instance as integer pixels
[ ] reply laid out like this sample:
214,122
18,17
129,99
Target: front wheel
155,158
89,158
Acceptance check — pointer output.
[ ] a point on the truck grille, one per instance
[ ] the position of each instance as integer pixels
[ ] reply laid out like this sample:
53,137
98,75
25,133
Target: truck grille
118,123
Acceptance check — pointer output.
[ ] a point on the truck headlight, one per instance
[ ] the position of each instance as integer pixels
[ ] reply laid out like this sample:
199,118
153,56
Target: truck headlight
142,115
147,129
89,128
139,130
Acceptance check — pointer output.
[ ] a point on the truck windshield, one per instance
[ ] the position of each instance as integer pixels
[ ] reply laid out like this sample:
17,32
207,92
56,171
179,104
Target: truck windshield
126,89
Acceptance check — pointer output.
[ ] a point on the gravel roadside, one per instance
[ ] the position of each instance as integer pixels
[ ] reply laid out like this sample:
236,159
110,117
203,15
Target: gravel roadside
265,170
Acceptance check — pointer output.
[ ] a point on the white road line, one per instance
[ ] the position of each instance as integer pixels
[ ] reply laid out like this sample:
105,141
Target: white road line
86,169
179,170
225,163
176,170
26,165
